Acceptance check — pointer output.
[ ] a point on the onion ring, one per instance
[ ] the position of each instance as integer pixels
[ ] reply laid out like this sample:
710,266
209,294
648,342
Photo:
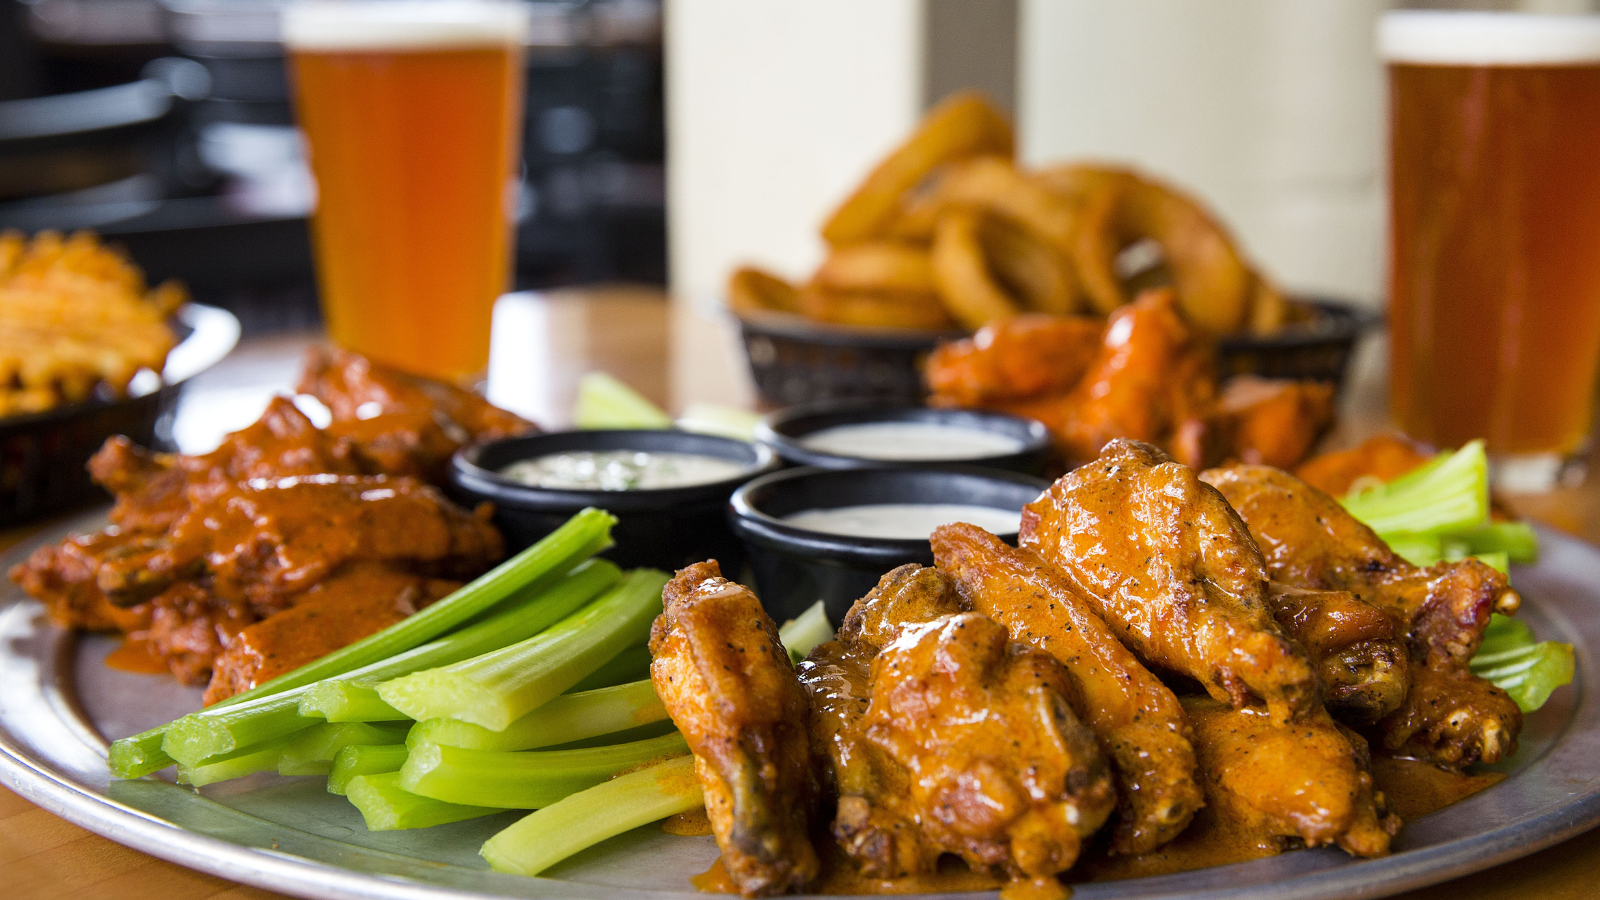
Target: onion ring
969,291
961,126
1212,281
1041,278
753,290
875,309
877,266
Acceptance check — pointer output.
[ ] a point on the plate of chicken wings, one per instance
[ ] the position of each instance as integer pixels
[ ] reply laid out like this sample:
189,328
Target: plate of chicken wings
1177,677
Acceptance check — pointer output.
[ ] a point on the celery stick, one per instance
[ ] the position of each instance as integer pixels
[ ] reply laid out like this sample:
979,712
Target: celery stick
497,688
1517,540
1527,669
338,700
803,633
586,818
364,759
387,807
632,664
569,717
580,537
1450,493
248,761
201,736
529,779
605,402
311,752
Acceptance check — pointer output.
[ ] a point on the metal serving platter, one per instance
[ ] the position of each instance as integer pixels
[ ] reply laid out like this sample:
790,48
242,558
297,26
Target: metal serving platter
59,704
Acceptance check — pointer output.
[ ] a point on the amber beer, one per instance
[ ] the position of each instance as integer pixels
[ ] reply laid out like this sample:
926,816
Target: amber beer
412,113
1494,269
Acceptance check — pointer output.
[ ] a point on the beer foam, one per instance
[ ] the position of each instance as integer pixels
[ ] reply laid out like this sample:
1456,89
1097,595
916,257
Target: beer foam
403,24
1488,38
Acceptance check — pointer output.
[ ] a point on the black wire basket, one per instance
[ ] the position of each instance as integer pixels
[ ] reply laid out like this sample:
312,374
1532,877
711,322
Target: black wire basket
795,360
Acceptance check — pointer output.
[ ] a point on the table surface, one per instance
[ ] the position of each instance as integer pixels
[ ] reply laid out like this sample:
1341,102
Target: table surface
673,355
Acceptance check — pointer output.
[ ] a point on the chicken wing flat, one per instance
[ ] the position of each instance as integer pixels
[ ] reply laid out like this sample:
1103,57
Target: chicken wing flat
1002,772
265,539
1359,650
944,736
1308,781
1169,566
1140,726
1274,422
873,823
730,688
1450,717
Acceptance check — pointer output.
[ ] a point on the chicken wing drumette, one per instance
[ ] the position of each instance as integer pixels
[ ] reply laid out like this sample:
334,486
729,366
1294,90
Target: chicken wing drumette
1140,726
730,688
1169,566
966,743
1450,716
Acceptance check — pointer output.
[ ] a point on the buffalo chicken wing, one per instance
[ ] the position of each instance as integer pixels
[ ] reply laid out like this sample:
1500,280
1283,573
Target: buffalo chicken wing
730,688
1140,726
1170,567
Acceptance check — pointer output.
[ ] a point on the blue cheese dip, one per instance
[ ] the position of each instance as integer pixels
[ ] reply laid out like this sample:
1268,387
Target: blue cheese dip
907,521
909,441
621,470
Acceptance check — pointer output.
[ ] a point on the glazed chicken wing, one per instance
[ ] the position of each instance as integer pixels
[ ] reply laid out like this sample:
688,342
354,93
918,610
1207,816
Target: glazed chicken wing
1449,717
1359,650
1167,564
944,736
266,539
1140,726
399,424
1013,359
1002,772
1308,781
1274,422
154,489
730,688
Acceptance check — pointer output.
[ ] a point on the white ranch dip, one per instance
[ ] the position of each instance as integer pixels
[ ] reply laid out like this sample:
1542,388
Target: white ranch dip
903,520
909,440
621,470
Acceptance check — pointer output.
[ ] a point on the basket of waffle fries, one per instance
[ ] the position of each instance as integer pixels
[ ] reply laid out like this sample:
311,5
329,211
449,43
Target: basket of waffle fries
84,345
949,233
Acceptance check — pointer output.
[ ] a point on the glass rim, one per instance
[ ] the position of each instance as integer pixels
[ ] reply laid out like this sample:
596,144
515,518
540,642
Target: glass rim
1472,38
403,24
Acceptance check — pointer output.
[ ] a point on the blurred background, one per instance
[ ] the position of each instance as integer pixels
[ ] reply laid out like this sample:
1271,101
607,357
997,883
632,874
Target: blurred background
705,133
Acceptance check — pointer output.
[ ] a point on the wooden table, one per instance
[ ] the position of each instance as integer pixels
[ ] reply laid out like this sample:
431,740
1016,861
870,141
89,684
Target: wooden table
673,356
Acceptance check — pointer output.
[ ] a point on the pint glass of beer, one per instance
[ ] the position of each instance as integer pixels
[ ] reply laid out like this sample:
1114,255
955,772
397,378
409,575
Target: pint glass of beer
412,111
1494,245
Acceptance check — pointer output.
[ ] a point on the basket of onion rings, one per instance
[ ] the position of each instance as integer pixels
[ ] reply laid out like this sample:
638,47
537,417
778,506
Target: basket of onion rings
948,233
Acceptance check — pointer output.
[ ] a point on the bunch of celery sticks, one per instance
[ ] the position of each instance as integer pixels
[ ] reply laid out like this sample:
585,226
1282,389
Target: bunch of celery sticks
526,689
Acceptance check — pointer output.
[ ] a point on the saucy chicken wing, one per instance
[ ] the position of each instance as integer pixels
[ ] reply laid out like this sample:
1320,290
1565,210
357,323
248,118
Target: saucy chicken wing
730,688
1309,781
944,736
263,540
1140,726
1359,650
1449,717
1165,561
1014,359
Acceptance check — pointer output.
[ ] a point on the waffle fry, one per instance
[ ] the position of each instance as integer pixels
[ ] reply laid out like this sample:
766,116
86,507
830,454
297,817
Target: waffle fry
75,318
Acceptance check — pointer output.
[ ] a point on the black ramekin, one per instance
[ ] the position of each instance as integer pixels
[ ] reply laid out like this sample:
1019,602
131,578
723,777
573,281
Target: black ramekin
795,567
666,528
787,429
